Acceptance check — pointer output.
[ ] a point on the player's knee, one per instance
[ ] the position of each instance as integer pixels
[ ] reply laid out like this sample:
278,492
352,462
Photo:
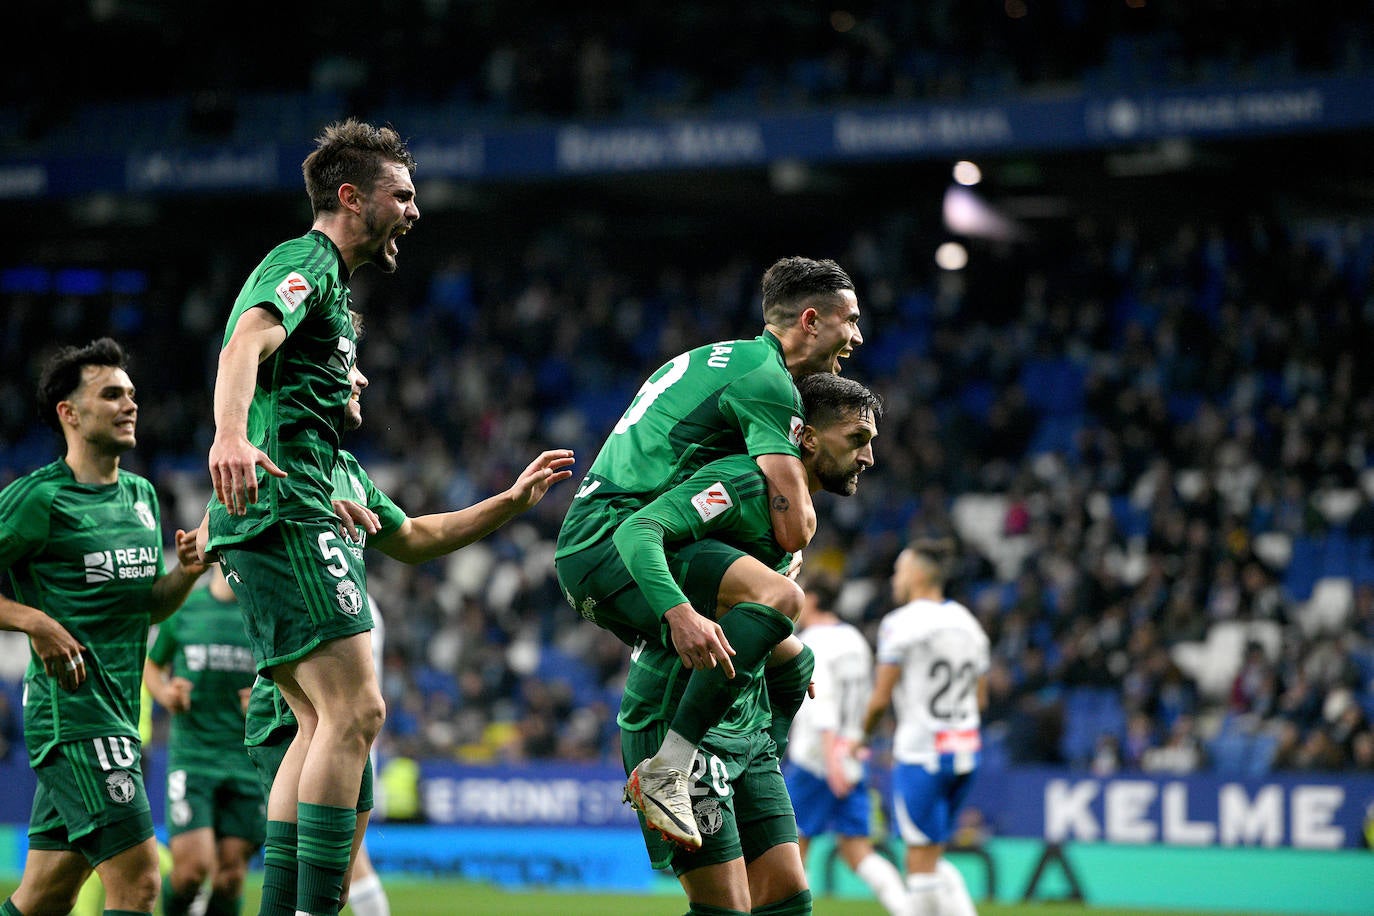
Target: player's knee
367,716
189,871
229,879
142,889
785,596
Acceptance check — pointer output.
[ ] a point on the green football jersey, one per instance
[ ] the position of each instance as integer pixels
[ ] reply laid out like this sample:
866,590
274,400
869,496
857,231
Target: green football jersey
205,642
297,412
726,500
728,398
350,481
268,712
654,687
87,555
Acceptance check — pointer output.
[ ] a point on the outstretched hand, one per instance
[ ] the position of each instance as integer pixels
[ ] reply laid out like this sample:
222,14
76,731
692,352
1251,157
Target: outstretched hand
233,471
543,472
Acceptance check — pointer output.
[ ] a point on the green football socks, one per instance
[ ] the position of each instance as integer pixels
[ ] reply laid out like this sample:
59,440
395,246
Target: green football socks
787,685
752,630
279,870
325,840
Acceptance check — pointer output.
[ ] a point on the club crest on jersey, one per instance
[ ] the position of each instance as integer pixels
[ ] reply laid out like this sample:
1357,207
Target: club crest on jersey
794,430
145,514
349,597
120,786
709,818
712,501
292,291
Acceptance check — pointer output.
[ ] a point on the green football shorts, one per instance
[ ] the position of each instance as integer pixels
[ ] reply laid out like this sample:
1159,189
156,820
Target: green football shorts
230,803
738,795
90,799
298,586
267,758
599,587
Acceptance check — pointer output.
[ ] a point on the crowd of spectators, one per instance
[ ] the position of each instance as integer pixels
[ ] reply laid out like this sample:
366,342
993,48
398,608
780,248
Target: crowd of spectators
474,60
1114,421
1140,430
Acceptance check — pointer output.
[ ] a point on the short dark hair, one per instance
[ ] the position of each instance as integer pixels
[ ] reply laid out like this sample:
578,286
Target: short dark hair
791,281
350,152
61,374
938,552
823,585
827,397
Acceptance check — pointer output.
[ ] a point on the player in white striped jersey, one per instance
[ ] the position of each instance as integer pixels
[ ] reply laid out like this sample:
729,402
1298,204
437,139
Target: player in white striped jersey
932,660
826,782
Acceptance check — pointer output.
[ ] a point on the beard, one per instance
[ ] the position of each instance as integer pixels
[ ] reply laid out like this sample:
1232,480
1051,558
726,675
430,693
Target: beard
834,478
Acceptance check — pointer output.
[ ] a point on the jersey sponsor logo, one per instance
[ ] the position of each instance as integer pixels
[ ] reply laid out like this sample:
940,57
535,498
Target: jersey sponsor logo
709,816
99,566
145,515
958,741
120,563
350,598
120,786
712,501
794,431
219,657
293,291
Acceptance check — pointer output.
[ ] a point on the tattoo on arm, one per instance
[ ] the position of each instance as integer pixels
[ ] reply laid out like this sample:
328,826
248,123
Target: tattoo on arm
780,504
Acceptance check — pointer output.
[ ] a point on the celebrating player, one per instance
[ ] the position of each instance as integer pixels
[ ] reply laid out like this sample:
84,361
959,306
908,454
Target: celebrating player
683,547
728,398
932,659
82,540
280,392
372,518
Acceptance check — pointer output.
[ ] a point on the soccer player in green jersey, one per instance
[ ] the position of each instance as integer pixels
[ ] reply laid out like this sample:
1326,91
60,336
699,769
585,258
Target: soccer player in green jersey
82,541
280,391
371,518
675,548
728,398
200,669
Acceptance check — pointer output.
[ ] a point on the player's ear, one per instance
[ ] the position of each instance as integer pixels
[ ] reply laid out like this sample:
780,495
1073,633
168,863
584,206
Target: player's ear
809,438
810,319
351,197
66,412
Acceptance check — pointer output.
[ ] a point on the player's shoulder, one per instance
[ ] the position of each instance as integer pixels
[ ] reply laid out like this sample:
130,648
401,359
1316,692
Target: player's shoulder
311,254
39,485
740,471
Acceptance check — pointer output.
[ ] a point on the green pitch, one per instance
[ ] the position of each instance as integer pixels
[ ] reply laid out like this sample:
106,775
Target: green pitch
439,897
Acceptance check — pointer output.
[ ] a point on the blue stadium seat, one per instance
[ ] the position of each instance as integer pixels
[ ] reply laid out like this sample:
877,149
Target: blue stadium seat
1304,567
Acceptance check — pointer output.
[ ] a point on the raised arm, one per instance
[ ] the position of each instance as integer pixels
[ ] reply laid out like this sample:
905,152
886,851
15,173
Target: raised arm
233,459
430,536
